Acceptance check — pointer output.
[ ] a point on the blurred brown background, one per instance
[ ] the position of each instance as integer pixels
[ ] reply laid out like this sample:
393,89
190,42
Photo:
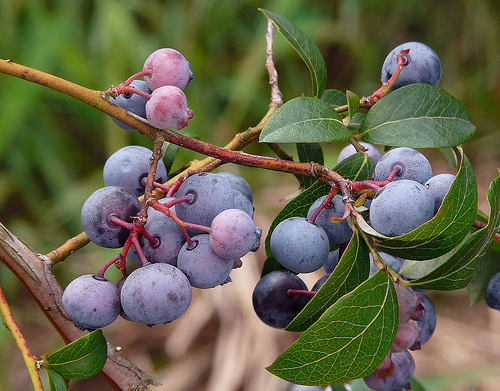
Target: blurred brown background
52,149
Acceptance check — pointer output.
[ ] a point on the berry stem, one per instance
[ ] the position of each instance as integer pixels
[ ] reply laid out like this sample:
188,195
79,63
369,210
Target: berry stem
292,292
134,90
136,76
357,187
384,90
325,202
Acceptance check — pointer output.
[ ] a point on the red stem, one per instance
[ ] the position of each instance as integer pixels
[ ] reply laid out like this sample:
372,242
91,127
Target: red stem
292,292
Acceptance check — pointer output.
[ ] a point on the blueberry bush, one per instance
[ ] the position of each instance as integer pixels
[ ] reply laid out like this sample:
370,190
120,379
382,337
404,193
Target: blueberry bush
393,235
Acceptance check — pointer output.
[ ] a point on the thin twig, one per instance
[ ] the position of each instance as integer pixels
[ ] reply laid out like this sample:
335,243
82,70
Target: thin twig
29,359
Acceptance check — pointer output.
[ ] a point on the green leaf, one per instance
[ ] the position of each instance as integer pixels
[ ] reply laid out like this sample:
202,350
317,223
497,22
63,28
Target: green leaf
418,116
416,385
357,122
304,120
444,231
310,152
353,104
334,98
56,381
338,387
305,47
169,152
348,341
80,359
352,270
357,167
459,269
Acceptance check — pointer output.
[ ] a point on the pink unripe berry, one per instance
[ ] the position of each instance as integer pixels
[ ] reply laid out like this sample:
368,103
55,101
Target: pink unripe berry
167,108
233,234
407,337
168,68
409,303
385,368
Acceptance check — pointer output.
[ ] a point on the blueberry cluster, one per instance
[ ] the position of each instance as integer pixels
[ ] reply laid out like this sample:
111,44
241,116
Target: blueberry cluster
194,238
162,101
405,196
408,195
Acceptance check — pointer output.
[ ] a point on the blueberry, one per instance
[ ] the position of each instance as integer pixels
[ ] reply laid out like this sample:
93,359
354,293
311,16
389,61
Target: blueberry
349,150
155,293
321,281
412,165
400,207
337,232
395,263
300,246
129,167
332,261
167,108
169,68
91,302
154,214
427,321
422,65
493,292
233,234
439,185
170,240
271,302
404,367
132,102
104,203
243,203
237,182
211,194
203,267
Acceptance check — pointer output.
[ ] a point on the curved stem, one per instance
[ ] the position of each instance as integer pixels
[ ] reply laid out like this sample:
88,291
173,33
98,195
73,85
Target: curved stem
29,359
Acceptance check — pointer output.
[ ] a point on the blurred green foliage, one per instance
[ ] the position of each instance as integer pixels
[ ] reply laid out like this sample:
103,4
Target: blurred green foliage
52,147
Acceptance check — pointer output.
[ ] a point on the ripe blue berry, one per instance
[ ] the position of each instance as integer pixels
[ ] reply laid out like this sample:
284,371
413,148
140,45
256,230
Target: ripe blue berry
239,183
493,292
422,65
271,302
211,194
395,263
203,267
412,165
337,232
104,203
404,367
401,206
349,150
155,293
427,321
91,302
439,185
300,246
129,167
332,261
169,241
132,102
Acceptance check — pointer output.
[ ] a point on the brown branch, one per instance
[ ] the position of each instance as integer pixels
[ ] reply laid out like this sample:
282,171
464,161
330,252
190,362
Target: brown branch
34,271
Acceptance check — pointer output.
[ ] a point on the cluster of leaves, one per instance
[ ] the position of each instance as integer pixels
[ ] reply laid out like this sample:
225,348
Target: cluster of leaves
349,325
